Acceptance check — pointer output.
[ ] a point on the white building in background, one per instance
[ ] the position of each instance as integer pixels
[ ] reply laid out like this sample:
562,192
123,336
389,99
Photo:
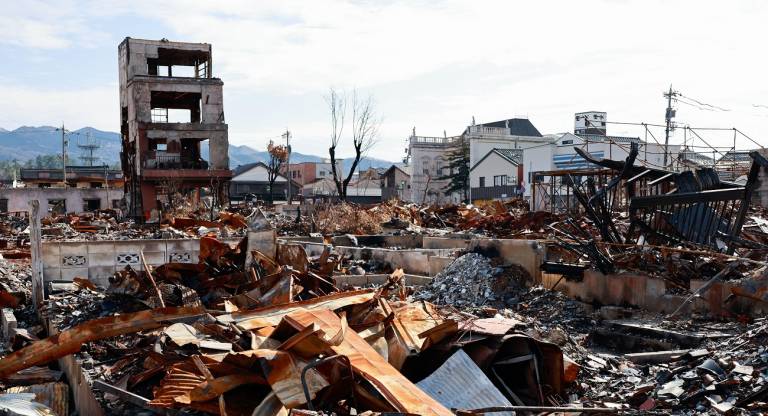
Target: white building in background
427,162
515,134
497,175
503,155
590,134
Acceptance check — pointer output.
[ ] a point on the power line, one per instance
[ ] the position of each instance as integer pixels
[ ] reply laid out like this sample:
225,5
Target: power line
714,107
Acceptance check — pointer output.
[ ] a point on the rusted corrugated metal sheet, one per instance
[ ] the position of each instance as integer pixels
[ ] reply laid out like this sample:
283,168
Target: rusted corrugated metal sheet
70,341
367,363
272,315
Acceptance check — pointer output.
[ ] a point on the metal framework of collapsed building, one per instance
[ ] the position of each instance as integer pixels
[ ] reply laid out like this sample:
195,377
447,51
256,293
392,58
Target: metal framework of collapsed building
663,206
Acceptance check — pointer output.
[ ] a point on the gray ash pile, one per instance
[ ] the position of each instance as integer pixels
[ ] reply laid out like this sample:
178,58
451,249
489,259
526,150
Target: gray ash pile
466,283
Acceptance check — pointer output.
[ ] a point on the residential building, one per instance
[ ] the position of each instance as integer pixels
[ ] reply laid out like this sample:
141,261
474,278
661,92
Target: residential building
308,172
497,175
427,157
512,150
251,181
360,192
170,104
609,147
396,184
517,134
77,177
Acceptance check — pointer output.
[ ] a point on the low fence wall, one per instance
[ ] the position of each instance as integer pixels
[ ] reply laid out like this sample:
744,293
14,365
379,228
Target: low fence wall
99,260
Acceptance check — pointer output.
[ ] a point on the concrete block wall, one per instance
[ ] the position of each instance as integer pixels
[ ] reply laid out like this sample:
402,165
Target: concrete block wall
99,260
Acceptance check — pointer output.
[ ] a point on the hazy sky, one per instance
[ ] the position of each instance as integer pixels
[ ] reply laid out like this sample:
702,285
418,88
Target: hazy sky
429,64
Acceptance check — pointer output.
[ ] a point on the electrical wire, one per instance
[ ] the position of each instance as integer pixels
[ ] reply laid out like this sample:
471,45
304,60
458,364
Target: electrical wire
714,107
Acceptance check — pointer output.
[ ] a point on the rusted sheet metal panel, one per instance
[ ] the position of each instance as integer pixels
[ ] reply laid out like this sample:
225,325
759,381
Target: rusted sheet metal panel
70,341
367,363
271,316
293,255
497,326
283,372
412,319
460,384
178,383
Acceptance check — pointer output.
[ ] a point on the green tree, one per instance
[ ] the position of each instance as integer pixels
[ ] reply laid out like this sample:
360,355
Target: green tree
458,169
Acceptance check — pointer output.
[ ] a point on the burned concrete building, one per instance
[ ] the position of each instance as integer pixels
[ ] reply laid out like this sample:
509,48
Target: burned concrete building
171,109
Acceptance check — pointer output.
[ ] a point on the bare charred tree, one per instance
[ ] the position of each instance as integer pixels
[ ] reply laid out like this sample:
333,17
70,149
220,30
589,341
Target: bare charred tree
278,154
365,126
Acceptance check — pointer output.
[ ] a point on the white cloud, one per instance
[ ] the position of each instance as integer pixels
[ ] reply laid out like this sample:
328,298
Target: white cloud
47,25
436,64
78,107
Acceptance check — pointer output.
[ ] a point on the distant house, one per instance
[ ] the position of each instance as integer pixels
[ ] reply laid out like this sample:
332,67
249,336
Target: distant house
395,184
497,175
252,181
367,191
307,172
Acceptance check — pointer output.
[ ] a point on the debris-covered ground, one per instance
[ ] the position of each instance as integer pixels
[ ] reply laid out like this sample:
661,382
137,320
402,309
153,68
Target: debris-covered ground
244,332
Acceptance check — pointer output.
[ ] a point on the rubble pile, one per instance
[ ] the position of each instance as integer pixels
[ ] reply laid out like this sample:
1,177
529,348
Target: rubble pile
504,220
109,225
470,281
218,337
13,226
274,330
15,299
725,375
14,236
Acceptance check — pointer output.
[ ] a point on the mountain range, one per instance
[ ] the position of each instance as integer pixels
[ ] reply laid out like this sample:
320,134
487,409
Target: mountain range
25,143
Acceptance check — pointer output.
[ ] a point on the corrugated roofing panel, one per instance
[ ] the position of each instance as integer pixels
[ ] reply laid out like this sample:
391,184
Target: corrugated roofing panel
460,384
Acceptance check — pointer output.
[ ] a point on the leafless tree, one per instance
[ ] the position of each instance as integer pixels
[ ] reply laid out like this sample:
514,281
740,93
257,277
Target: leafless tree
365,126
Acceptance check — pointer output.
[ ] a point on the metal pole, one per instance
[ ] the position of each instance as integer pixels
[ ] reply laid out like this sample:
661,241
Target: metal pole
63,156
668,117
288,147
733,170
646,141
106,184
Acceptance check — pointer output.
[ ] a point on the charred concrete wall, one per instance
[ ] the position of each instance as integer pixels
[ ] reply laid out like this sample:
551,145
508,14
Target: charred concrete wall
641,291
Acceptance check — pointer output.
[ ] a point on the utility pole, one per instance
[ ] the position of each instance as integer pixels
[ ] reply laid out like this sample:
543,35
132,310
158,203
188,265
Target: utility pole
63,155
106,184
287,136
670,114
